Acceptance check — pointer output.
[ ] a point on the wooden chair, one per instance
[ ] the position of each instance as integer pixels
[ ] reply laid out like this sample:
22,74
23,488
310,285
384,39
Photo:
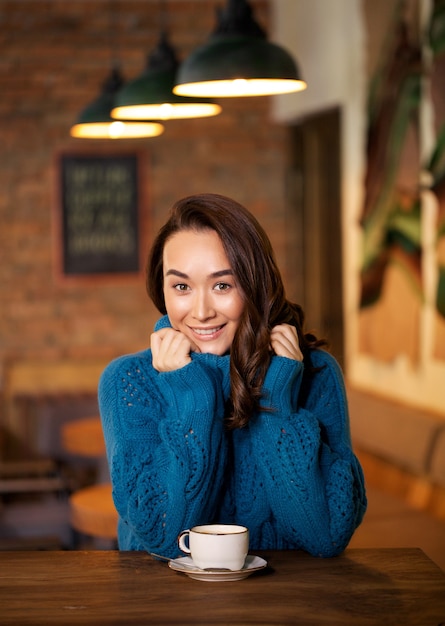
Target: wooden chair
29,485
22,472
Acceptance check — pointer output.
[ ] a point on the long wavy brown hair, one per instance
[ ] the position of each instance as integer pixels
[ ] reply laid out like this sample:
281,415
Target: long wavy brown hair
252,261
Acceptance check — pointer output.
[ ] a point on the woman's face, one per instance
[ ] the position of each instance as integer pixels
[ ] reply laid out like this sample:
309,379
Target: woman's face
202,298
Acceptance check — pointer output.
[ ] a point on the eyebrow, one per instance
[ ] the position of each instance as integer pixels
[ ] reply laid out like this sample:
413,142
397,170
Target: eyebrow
217,274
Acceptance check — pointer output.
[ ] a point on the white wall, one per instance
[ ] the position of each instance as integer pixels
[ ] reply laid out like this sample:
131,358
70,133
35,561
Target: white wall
328,38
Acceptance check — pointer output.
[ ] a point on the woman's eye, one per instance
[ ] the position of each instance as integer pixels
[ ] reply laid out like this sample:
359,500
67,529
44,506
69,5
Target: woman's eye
222,286
181,287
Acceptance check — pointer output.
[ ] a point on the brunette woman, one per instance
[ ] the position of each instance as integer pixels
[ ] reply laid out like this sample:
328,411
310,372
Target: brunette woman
235,414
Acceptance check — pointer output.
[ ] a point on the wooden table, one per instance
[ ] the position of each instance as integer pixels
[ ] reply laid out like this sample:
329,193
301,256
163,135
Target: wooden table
363,586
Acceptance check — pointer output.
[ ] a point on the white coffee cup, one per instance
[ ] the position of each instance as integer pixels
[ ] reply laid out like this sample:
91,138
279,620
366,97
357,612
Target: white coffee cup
216,545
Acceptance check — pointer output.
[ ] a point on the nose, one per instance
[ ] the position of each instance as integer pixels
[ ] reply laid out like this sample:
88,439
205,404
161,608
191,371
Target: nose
202,306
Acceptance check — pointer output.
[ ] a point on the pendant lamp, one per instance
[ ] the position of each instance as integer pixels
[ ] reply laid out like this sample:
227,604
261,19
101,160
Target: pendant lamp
238,61
150,96
95,121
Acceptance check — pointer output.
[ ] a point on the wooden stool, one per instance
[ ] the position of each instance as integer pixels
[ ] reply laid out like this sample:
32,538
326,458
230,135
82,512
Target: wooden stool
92,512
84,437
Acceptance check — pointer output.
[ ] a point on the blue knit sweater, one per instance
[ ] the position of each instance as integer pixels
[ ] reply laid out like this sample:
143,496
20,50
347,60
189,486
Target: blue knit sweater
290,475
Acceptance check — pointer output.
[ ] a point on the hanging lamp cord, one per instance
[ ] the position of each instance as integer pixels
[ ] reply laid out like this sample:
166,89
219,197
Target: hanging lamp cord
237,19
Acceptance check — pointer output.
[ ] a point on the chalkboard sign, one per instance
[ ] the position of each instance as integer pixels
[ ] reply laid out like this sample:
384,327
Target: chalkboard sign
99,214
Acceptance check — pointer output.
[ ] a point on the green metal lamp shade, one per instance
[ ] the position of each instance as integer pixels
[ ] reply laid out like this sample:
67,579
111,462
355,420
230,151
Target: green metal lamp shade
238,65
95,121
150,96
238,61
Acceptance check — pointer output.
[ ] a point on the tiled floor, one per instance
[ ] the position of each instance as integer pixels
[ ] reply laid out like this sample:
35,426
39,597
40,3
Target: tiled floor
390,522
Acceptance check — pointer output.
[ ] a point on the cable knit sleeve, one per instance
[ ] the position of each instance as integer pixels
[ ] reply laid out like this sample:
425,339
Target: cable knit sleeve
314,482
165,448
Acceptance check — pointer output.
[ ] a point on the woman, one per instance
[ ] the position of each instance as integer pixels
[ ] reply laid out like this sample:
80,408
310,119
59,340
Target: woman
234,415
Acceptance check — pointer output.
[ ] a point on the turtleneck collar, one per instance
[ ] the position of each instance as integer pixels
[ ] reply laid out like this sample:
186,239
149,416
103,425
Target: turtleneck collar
212,360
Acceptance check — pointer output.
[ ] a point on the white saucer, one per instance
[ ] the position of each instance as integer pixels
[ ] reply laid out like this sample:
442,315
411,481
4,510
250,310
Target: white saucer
185,564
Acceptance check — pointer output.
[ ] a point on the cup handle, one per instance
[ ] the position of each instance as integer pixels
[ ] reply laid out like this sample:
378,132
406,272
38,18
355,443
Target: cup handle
181,541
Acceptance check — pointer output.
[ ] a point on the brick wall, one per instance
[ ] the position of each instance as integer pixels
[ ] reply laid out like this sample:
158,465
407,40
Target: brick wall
54,56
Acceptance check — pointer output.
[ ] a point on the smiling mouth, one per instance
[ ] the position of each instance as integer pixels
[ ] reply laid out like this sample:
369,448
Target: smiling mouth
205,332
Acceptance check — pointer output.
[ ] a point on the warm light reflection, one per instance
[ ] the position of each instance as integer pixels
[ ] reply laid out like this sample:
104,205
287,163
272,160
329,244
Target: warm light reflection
116,130
166,111
239,87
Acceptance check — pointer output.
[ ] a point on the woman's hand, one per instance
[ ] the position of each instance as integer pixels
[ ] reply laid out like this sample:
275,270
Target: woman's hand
284,342
170,349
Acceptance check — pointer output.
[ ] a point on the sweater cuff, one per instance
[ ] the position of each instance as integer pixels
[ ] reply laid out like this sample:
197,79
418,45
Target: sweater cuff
282,384
192,389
